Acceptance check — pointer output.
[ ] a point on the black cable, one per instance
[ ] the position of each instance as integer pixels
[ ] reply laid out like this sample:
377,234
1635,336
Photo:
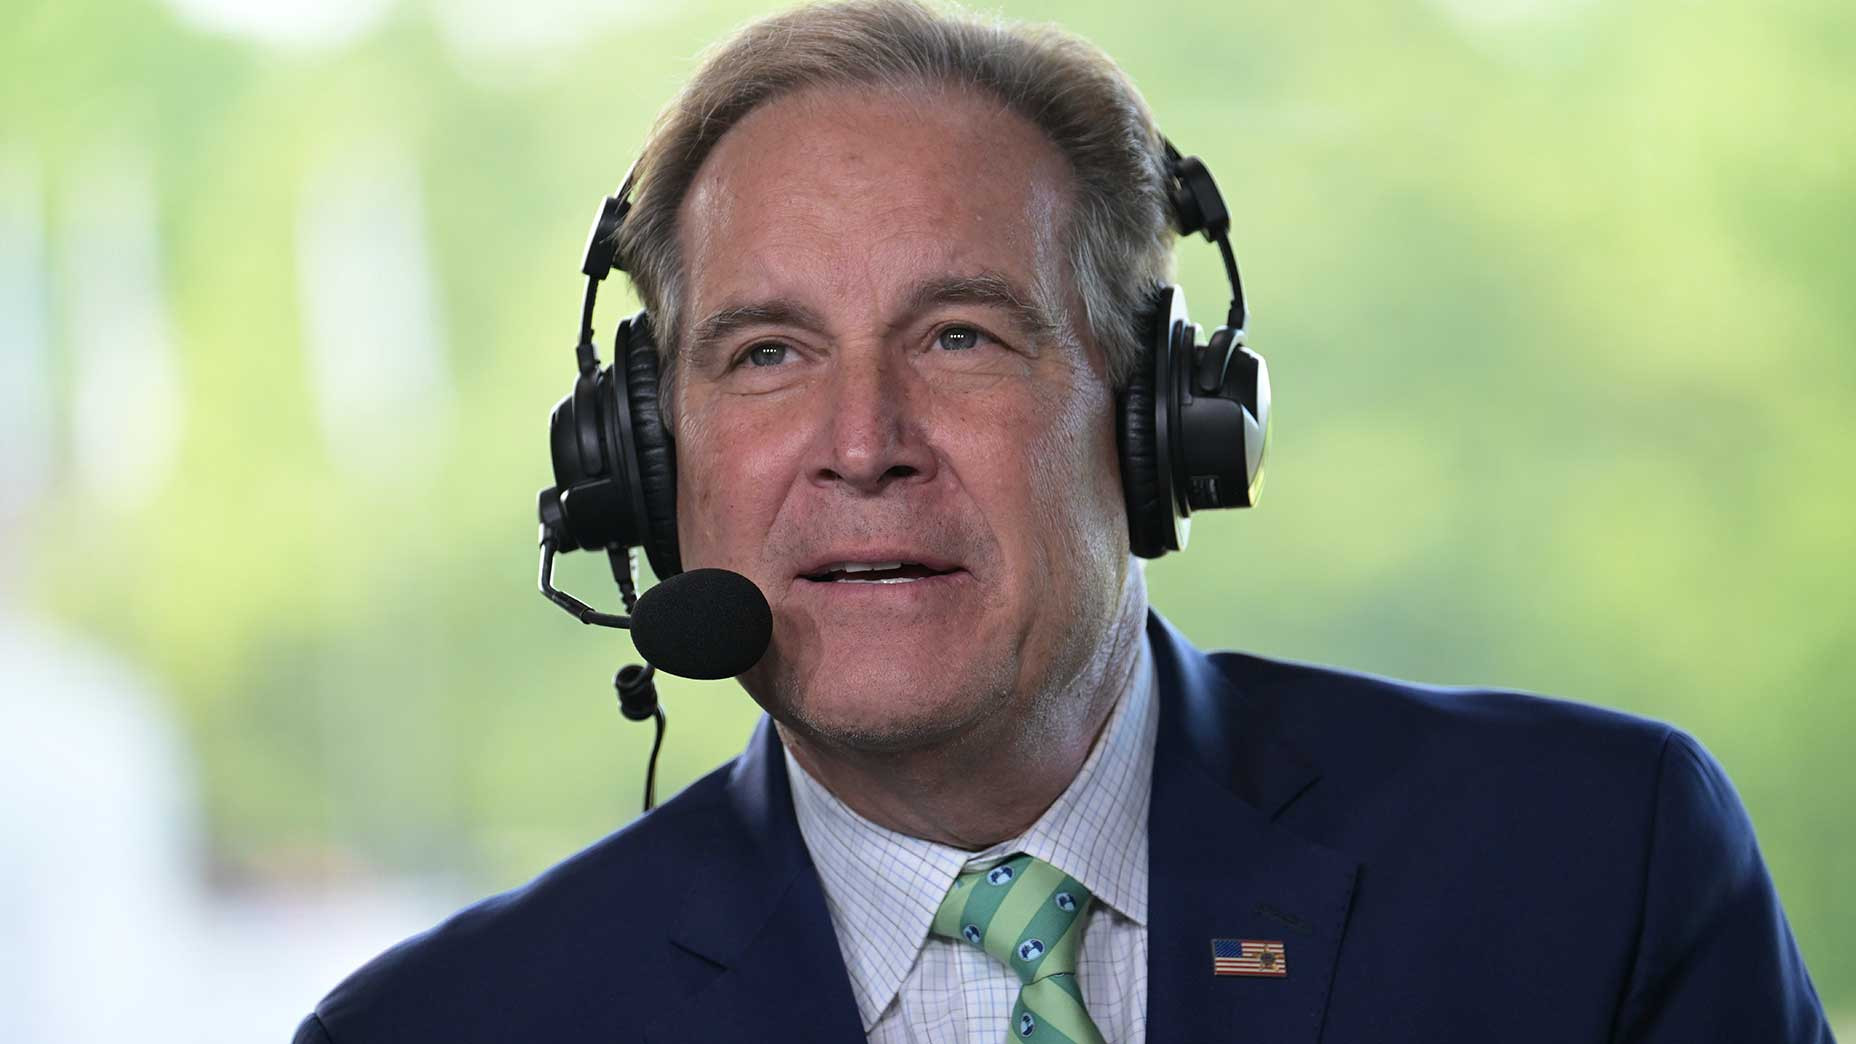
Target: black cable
637,681
650,767
624,563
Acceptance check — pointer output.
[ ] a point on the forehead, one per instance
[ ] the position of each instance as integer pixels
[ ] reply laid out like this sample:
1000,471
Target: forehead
843,188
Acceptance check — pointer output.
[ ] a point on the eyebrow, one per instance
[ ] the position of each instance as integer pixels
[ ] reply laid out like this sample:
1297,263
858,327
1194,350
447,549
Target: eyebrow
990,289
719,324
986,288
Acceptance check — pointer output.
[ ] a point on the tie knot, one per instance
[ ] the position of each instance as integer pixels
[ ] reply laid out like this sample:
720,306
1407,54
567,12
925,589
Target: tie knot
1025,912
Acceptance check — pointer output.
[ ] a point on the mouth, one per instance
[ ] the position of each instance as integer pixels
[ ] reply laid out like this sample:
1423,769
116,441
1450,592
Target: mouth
891,572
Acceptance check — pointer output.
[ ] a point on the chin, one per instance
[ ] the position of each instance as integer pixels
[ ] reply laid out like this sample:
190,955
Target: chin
878,699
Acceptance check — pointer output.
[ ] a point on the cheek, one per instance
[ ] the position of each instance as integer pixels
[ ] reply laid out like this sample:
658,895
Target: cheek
1073,463
1048,480
730,483
1086,517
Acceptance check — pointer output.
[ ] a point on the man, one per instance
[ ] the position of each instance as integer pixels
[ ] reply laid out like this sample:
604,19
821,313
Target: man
892,259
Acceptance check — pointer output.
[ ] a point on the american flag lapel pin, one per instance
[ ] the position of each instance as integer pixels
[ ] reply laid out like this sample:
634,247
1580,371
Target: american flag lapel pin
1257,957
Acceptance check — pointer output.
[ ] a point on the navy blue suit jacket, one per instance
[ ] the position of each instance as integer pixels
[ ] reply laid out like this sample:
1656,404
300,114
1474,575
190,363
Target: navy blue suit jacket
1440,865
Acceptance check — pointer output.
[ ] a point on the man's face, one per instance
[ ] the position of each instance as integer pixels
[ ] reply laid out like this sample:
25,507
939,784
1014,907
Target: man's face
883,362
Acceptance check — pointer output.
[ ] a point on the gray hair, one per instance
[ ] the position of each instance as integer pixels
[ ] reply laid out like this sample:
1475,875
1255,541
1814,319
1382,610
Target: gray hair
1119,235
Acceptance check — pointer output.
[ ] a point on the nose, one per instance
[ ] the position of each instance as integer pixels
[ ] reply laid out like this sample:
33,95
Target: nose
875,435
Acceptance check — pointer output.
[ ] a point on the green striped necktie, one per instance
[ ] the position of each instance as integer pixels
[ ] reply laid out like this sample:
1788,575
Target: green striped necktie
1028,914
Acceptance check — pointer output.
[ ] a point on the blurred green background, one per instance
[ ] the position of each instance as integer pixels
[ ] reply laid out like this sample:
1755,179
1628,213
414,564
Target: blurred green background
1557,298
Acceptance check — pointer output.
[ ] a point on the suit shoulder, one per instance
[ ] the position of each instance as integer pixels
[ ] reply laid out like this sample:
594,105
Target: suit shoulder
1435,786
578,930
1332,707
1458,757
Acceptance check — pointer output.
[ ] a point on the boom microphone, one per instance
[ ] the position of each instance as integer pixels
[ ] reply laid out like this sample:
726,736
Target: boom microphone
704,623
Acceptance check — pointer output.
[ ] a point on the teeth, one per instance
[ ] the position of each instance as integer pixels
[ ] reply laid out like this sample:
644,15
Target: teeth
863,567
846,573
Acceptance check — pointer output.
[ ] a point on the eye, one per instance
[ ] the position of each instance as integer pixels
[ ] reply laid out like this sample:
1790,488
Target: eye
958,338
766,354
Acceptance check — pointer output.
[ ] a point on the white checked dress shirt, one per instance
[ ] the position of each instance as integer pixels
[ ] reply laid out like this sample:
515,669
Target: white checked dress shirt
882,889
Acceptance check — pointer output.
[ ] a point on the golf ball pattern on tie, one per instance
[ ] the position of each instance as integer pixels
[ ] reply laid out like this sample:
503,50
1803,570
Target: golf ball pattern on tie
1027,915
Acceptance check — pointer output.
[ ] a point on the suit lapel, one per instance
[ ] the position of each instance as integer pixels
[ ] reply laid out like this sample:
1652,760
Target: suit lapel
755,910
1222,867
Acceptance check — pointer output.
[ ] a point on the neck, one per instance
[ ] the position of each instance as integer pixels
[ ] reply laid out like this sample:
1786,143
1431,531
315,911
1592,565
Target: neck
956,793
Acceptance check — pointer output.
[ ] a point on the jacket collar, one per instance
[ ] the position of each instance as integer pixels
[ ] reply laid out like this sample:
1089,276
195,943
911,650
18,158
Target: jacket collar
1222,865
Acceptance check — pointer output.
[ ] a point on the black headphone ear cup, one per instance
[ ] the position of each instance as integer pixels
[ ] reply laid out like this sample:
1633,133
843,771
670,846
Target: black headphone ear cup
652,449
1149,515
588,445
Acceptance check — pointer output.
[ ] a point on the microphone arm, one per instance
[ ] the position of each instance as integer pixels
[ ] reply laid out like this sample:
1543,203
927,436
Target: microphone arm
579,610
635,684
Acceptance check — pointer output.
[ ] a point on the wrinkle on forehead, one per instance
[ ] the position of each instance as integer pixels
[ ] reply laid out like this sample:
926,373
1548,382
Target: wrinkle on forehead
976,125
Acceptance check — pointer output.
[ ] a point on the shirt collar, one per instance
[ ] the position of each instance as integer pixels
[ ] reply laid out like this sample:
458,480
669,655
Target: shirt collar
883,887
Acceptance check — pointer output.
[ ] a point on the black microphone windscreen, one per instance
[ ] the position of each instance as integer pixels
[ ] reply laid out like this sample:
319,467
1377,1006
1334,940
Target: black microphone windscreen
706,623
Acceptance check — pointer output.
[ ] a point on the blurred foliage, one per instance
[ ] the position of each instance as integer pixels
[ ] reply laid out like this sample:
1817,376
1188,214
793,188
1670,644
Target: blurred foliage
1556,296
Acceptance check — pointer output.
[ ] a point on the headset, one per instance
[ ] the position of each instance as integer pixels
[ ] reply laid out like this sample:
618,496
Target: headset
1192,425
1191,429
